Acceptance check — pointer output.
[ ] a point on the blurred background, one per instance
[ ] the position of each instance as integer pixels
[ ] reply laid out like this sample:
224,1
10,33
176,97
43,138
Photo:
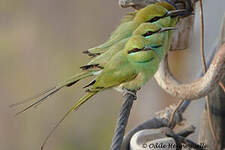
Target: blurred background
41,43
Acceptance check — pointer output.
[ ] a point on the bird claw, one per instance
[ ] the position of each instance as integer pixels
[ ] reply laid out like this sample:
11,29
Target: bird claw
130,92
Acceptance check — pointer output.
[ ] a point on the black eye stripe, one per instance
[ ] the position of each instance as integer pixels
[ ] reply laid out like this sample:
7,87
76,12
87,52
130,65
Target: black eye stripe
154,19
147,33
150,33
134,50
144,49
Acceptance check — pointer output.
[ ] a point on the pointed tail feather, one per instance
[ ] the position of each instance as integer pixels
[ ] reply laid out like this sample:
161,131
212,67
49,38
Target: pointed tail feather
75,107
44,95
31,98
39,101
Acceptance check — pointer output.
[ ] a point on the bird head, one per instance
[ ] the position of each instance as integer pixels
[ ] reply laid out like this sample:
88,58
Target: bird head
152,36
149,29
139,51
155,12
150,13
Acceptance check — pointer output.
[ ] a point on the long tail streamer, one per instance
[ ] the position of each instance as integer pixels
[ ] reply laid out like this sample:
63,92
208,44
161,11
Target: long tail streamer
75,107
47,93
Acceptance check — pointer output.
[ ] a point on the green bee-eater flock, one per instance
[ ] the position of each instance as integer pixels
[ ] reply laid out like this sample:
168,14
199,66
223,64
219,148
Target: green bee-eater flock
129,58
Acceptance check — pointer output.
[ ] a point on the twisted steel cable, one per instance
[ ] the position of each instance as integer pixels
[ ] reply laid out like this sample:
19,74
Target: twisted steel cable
122,121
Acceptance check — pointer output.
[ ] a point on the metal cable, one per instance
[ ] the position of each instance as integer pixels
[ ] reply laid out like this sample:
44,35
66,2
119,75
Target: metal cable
122,121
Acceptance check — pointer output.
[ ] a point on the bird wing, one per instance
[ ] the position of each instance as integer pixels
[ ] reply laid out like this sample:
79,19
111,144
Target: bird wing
117,71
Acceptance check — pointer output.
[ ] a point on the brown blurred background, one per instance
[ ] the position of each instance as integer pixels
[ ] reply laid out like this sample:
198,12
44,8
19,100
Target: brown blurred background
41,42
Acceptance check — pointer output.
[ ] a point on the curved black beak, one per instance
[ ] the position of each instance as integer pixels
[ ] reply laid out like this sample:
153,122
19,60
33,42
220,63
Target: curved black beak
179,12
167,29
